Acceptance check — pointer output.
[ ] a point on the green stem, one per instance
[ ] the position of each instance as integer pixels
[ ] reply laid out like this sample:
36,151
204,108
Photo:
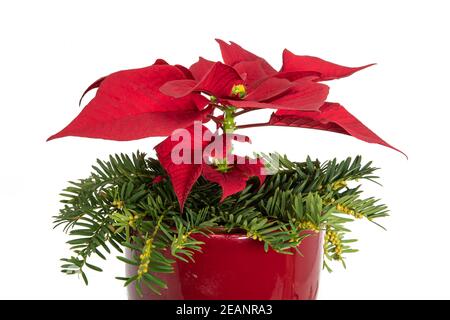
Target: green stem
228,127
229,123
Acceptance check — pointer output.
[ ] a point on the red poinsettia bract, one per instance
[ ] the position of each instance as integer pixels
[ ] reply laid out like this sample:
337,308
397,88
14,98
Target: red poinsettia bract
128,106
331,117
185,156
161,98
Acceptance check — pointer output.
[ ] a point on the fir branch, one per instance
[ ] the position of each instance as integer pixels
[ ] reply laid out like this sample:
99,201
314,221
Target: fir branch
118,206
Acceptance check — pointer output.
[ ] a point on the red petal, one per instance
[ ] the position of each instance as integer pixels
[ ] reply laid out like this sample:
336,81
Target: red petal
234,180
183,175
200,101
97,83
178,88
252,168
231,182
129,106
253,71
269,88
200,68
160,62
305,95
187,73
219,80
331,117
94,85
233,53
296,75
327,70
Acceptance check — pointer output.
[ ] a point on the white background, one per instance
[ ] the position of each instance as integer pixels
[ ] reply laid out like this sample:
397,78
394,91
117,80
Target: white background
51,50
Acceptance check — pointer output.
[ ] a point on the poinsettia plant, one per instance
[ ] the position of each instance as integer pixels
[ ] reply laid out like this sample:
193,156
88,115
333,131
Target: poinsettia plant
157,100
177,102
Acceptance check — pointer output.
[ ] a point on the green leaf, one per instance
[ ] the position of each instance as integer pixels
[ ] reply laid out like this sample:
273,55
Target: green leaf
93,267
132,262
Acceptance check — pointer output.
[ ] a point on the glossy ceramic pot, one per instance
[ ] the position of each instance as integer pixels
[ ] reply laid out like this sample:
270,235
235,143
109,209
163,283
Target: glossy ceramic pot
234,267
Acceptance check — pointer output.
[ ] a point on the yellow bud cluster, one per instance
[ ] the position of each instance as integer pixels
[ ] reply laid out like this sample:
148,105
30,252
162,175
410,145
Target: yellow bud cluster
254,236
295,239
347,210
145,257
132,220
333,238
181,241
308,225
239,90
118,204
339,185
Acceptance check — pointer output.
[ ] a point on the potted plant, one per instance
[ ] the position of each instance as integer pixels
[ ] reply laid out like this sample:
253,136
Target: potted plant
199,222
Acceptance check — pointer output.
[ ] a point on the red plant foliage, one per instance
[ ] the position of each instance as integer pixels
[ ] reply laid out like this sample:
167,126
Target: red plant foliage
156,100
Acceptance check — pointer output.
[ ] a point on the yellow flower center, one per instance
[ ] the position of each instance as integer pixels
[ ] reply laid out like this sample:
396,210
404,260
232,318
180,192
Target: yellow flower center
238,90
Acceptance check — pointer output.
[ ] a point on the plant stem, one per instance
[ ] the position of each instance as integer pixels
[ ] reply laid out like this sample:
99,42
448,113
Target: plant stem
229,124
217,105
216,120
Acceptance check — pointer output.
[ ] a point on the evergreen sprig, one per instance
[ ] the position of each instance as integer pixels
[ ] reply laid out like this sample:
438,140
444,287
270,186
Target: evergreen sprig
121,205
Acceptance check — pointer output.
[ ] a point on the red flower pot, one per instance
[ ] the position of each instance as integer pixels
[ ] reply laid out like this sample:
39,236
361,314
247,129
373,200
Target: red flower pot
234,267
